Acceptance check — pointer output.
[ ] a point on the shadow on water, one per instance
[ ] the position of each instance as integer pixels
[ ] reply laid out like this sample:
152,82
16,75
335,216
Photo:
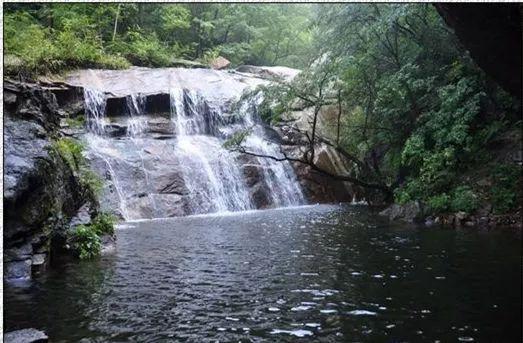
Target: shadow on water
313,273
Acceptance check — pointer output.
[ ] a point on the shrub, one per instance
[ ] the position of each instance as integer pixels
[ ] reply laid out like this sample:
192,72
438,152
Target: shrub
464,199
411,190
104,223
34,49
439,203
113,62
70,150
75,122
237,139
145,51
85,239
503,193
90,180
86,242
210,55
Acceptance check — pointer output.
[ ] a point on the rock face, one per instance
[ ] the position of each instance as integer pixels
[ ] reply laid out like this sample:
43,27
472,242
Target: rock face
161,150
410,212
26,336
41,192
491,49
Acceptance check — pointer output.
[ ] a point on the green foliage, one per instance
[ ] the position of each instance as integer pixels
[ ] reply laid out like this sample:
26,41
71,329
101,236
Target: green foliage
42,38
86,242
104,223
236,140
464,199
86,239
412,189
210,55
91,181
78,122
71,151
439,203
145,50
504,193
37,48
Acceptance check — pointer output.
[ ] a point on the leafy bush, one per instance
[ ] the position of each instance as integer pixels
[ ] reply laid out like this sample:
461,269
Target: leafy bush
91,181
34,49
503,193
210,55
145,50
75,122
104,223
86,242
86,239
439,203
28,43
236,140
464,199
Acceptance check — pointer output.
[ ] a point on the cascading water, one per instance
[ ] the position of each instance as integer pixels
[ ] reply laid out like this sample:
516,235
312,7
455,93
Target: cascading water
136,123
212,176
95,103
162,167
280,177
136,127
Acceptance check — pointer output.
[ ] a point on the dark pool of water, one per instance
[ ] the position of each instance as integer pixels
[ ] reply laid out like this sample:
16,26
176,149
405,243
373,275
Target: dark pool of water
314,274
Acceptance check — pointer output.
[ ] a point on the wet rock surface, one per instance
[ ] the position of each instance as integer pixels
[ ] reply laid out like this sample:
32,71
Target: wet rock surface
409,212
41,192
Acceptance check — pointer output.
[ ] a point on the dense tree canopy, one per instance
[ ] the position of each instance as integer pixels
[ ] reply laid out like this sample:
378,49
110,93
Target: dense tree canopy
418,115
50,37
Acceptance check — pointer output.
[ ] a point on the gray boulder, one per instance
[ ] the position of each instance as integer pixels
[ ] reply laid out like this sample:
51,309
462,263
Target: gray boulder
409,212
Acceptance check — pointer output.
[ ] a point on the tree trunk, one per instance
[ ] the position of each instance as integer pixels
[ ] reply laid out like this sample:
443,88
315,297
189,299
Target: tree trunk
116,21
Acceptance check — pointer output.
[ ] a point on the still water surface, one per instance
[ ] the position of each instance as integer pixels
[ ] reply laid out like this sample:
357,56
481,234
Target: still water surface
311,274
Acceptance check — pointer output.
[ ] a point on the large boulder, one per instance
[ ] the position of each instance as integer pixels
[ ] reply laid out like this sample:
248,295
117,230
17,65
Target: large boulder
220,63
410,212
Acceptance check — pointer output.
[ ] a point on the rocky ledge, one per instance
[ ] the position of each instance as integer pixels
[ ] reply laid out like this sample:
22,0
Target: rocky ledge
43,195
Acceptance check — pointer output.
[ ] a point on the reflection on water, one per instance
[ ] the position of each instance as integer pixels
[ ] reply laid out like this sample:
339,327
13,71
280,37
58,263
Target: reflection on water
314,274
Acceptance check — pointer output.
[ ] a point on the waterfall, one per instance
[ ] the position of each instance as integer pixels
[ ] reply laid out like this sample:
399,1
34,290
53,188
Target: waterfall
95,103
211,175
136,127
173,164
279,175
136,122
